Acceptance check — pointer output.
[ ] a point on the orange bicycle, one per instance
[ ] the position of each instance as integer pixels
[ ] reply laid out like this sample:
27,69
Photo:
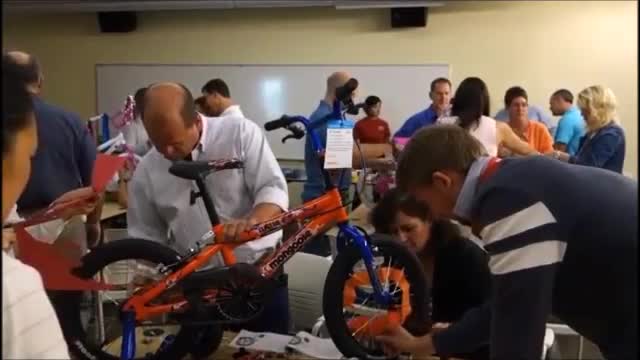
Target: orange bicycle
372,284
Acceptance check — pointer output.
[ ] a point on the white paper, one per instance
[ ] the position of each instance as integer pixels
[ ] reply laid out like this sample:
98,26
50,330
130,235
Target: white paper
315,347
339,150
267,342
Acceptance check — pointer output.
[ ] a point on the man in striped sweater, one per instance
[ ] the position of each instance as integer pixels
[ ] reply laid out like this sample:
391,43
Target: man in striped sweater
562,241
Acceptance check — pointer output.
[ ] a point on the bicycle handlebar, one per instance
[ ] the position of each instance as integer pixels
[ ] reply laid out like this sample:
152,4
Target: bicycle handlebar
282,122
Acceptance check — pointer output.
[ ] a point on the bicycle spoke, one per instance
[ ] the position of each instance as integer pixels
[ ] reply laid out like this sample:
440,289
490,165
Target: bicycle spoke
365,325
386,281
398,282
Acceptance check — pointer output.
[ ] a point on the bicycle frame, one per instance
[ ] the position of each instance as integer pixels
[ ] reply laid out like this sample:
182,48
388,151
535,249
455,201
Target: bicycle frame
323,213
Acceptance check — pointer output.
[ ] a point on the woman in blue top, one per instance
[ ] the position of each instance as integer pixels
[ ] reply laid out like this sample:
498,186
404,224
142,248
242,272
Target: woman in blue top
603,145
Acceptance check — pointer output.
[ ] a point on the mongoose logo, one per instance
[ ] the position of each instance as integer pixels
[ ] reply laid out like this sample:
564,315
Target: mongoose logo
288,250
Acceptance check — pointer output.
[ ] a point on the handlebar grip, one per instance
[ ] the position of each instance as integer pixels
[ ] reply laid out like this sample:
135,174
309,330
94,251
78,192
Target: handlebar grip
284,121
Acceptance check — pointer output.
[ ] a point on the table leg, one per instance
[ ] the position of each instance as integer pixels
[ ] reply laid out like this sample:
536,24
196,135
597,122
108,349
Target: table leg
100,313
580,347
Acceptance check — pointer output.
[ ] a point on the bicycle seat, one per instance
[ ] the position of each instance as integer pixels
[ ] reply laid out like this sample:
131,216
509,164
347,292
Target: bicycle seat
194,170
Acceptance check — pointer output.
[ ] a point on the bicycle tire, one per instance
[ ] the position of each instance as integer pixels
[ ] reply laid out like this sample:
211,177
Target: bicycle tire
130,249
417,322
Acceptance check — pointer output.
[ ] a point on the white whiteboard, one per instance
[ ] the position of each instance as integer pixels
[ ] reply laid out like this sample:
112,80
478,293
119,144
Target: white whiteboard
265,92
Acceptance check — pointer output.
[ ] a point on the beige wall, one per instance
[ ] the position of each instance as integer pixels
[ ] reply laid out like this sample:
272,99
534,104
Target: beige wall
539,45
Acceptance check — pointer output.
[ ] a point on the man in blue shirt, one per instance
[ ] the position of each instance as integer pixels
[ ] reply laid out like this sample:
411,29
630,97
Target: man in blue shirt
440,95
571,126
535,113
314,186
66,151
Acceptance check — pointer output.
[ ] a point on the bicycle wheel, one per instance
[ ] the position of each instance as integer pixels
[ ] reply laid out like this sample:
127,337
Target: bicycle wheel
353,317
171,342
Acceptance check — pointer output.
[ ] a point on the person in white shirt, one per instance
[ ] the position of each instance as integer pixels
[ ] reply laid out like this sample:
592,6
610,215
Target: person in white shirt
470,110
30,328
218,99
159,203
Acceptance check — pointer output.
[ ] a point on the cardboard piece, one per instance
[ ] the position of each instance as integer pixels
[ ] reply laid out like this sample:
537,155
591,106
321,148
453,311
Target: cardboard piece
53,266
106,166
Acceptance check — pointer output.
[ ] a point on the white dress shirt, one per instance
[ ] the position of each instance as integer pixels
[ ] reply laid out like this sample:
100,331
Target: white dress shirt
233,110
30,327
159,203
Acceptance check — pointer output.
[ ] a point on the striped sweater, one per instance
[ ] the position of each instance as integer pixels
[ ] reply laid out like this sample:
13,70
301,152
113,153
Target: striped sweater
562,240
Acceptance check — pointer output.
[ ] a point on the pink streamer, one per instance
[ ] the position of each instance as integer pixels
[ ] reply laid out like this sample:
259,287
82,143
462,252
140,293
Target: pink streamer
124,116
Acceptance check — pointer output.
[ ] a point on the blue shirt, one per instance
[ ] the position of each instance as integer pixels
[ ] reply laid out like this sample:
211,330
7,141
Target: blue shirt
314,186
417,121
606,149
535,113
570,130
64,159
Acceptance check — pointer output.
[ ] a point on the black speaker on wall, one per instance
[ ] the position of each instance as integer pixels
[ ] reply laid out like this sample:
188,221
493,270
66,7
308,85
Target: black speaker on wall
409,17
117,21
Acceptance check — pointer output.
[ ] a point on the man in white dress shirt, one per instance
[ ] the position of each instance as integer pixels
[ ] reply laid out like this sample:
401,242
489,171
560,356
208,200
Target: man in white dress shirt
159,203
218,99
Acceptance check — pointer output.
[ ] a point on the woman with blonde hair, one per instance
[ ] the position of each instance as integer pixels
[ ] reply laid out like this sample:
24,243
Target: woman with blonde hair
603,145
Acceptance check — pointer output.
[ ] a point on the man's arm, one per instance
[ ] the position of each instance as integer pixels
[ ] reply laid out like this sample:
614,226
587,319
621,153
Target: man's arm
143,220
560,147
263,175
563,136
472,330
511,141
409,127
466,335
521,236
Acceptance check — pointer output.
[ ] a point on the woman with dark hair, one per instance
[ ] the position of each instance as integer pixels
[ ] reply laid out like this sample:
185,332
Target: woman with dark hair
456,268
470,110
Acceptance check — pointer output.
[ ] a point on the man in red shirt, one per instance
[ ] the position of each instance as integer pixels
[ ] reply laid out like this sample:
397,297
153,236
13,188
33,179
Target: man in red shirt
372,129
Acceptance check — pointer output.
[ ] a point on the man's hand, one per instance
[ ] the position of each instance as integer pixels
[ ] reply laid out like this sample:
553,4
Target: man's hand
556,154
8,238
260,213
503,152
233,229
398,340
87,201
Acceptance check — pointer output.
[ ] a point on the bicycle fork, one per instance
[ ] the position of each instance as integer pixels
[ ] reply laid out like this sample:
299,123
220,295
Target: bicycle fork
382,296
128,348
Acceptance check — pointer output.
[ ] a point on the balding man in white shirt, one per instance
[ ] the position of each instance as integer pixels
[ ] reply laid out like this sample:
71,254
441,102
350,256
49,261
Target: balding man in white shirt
159,205
218,99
